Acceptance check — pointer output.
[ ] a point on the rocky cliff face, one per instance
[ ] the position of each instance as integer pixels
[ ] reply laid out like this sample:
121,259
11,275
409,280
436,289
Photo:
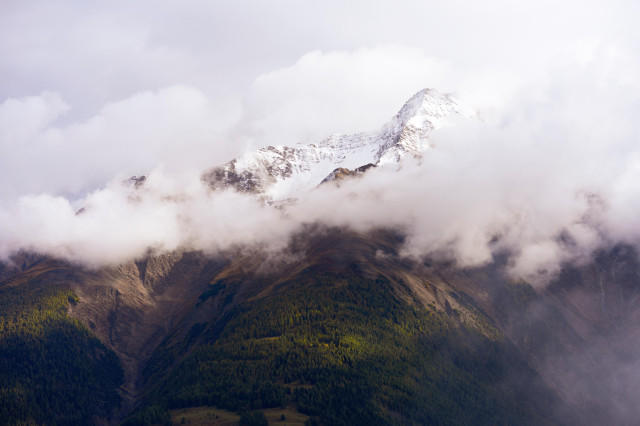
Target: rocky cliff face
133,306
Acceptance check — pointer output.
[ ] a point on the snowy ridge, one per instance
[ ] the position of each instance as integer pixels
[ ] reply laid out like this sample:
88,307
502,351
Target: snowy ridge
279,173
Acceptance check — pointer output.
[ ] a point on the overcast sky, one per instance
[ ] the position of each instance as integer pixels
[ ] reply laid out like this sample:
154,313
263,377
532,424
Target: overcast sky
107,87
92,92
96,52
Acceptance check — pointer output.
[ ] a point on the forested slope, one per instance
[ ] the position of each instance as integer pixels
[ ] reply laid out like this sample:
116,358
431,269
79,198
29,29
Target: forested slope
53,370
346,347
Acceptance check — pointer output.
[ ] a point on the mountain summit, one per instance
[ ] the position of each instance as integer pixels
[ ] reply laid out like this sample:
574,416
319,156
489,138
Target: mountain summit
279,173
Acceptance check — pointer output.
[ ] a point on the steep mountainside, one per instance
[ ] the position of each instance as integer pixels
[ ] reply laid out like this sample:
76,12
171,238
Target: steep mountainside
349,338
52,369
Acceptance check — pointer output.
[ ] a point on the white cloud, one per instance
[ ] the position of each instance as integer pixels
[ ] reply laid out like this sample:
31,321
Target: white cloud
100,52
177,126
335,92
22,119
121,222
558,92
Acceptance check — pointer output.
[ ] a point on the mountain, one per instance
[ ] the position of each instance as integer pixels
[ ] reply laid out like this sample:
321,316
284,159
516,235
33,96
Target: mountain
279,173
341,335
338,328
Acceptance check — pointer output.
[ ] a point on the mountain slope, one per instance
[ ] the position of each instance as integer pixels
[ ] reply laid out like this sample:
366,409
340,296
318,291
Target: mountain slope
177,320
349,340
52,369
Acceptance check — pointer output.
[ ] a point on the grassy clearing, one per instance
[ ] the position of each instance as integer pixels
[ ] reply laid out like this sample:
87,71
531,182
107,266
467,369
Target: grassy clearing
200,416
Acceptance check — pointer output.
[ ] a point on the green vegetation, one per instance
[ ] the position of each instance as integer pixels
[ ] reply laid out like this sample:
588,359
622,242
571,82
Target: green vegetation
254,418
220,417
52,370
152,415
347,350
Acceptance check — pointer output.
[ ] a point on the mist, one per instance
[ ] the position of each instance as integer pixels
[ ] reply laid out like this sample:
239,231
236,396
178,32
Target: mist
547,178
548,181
91,96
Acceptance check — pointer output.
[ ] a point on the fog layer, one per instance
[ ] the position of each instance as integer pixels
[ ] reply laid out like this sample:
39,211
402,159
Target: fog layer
549,174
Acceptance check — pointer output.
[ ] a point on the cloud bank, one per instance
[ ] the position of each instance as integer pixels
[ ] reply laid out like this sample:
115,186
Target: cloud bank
173,126
549,177
91,95
123,221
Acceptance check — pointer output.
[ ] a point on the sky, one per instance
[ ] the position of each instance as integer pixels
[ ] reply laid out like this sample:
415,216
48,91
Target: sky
94,92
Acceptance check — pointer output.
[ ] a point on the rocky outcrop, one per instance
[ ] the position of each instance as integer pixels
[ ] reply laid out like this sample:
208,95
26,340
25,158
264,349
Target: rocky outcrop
133,306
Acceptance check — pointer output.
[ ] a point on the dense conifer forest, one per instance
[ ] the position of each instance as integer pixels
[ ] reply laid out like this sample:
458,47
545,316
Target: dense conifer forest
52,370
346,349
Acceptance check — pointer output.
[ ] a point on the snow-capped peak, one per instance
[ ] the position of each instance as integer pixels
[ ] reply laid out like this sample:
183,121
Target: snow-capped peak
277,173
411,127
